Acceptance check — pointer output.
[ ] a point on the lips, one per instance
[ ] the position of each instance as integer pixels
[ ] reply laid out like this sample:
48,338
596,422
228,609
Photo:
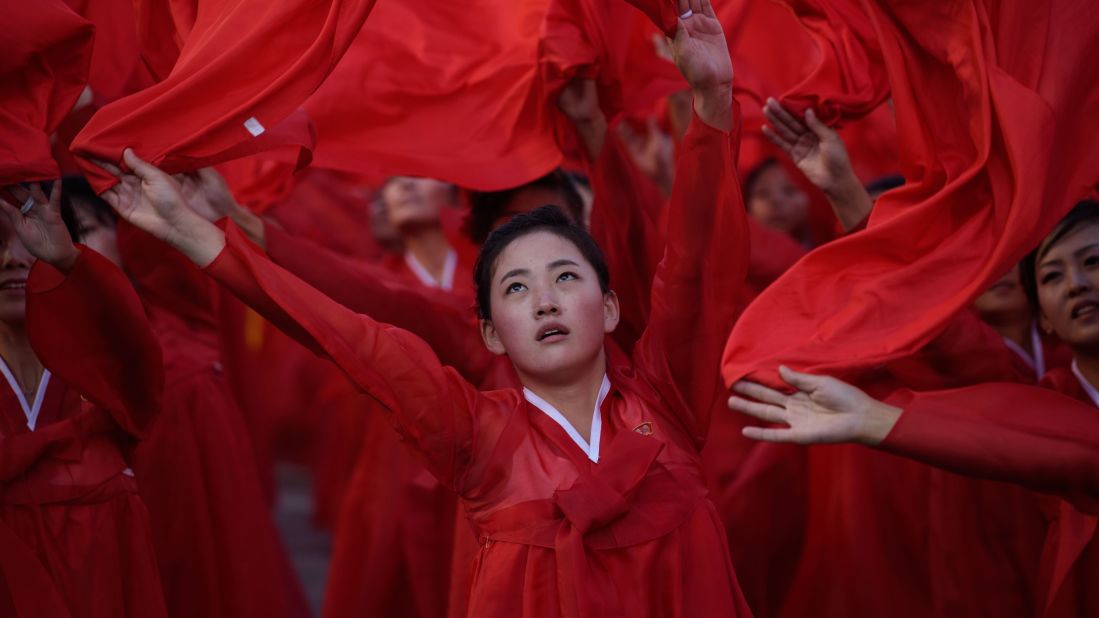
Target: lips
1085,308
14,284
552,330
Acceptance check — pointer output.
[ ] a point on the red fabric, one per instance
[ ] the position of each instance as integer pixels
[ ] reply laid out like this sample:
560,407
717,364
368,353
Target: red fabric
561,539
218,548
75,534
228,74
117,68
442,90
663,13
994,140
44,62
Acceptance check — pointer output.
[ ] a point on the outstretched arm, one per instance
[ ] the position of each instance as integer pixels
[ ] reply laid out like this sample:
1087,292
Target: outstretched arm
819,152
1006,432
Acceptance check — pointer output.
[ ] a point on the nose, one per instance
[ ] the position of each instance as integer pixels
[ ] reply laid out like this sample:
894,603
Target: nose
547,306
1078,282
15,256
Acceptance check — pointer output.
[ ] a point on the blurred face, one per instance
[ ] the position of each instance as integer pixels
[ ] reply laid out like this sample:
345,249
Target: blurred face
414,201
15,265
1005,300
778,203
549,314
1068,287
97,235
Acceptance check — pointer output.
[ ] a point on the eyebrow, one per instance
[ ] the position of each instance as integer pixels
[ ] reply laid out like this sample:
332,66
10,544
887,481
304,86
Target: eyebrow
1076,253
523,271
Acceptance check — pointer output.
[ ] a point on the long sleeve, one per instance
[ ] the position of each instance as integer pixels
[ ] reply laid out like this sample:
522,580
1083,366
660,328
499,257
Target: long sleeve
430,406
88,327
445,321
697,284
625,222
1030,436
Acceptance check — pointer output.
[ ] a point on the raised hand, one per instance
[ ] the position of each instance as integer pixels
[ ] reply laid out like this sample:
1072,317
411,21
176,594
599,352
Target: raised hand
824,410
579,101
702,56
153,201
40,228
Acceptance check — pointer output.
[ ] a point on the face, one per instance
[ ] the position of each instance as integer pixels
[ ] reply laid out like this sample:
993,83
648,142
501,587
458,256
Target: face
549,314
1068,287
778,203
1005,300
97,235
15,265
414,201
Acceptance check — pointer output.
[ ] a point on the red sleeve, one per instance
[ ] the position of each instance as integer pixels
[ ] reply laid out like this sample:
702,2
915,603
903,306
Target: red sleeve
1030,436
445,321
431,406
703,272
88,327
624,221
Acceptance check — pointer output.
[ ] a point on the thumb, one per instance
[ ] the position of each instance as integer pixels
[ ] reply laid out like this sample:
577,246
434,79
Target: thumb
804,382
143,169
821,130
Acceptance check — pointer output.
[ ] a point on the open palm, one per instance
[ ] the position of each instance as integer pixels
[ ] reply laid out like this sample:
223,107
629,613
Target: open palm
40,229
699,47
817,150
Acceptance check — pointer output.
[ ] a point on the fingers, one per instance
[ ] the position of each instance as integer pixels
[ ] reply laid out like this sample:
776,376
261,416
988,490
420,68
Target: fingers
762,411
708,9
144,170
39,195
804,382
19,192
760,392
788,126
111,168
684,5
777,140
55,196
820,129
769,434
696,6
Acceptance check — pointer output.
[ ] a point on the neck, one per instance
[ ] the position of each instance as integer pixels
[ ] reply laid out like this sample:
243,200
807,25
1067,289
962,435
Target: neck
430,248
20,358
575,397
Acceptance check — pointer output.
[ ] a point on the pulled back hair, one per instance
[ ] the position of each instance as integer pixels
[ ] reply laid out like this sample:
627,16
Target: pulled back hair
487,207
76,188
1082,213
542,219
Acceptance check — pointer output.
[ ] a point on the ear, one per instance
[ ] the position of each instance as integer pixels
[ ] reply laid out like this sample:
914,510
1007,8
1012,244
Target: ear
611,313
492,338
1044,323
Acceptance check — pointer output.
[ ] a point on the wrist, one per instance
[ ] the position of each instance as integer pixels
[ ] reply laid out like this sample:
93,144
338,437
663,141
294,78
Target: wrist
878,420
713,105
66,259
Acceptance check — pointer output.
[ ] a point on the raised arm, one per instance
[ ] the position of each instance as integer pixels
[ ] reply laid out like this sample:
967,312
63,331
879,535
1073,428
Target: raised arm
431,406
1027,435
705,260
85,321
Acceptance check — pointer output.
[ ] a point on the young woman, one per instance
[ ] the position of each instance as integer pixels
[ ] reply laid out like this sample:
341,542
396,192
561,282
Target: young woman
83,378
1044,441
585,486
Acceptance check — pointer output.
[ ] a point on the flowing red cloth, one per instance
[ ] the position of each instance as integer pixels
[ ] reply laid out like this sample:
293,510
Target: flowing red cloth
74,535
218,548
228,87
44,60
663,13
117,68
567,538
442,90
995,129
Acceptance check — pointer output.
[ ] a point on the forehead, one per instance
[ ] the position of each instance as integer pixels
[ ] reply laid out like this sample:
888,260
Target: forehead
536,250
1084,235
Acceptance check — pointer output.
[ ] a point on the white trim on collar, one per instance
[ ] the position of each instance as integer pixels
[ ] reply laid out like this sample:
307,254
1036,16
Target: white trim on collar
1037,362
590,449
1088,388
449,266
29,410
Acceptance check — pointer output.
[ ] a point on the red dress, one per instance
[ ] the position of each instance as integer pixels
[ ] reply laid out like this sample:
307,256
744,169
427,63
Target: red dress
216,544
74,534
634,534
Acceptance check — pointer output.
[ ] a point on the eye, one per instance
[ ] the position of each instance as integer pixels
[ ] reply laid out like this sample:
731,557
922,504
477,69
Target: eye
567,276
515,287
1050,277
1091,260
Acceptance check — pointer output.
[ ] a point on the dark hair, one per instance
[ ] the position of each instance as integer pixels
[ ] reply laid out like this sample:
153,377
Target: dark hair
542,219
884,183
1084,212
752,177
487,207
76,188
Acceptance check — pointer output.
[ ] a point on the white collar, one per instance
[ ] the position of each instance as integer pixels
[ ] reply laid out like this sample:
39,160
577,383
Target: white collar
449,266
1037,362
1088,388
29,410
591,449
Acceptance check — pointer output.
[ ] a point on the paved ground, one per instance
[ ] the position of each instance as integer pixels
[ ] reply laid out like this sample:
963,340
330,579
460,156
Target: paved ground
310,549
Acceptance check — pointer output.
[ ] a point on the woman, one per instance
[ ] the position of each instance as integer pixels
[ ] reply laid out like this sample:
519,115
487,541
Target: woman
586,486
75,537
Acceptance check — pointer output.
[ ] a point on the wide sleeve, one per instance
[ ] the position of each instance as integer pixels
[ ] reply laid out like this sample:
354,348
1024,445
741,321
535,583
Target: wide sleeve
432,407
88,327
1031,436
445,321
697,284
625,222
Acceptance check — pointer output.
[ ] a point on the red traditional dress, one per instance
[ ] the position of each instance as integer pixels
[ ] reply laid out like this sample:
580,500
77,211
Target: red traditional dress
74,534
620,526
